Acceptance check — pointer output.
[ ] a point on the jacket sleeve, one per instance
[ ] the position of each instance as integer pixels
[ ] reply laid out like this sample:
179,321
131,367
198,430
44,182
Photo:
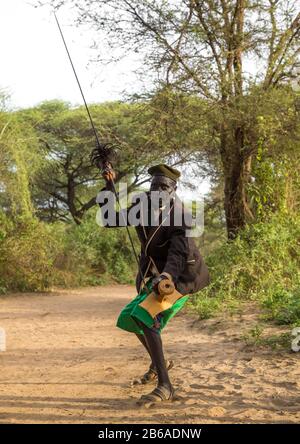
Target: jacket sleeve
177,253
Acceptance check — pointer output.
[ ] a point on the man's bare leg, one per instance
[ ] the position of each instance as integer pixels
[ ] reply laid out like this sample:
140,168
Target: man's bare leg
142,339
154,343
164,389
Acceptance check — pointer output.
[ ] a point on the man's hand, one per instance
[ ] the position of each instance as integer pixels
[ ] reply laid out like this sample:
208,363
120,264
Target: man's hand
108,174
156,282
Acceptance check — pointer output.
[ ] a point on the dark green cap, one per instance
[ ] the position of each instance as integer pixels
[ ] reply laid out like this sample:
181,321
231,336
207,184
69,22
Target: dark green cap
164,170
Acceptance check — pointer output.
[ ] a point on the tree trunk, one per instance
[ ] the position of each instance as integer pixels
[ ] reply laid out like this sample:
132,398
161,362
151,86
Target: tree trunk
235,210
236,170
236,167
71,199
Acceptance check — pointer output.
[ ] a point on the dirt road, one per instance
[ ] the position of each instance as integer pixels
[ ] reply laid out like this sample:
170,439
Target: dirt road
66,362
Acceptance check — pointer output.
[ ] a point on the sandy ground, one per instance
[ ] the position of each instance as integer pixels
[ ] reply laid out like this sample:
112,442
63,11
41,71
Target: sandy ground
66,362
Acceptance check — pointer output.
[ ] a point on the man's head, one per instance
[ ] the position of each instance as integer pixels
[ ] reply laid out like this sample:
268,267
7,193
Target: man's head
164,180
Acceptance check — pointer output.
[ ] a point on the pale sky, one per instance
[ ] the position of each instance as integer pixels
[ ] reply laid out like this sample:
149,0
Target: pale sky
34,64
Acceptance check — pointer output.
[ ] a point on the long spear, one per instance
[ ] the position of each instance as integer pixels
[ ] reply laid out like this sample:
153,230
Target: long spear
102,151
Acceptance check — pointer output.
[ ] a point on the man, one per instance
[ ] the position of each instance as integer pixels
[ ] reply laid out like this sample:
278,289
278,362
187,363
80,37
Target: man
166,253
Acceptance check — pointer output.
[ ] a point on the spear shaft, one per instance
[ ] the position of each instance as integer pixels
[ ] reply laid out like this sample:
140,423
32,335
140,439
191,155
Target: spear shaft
99,144
77,79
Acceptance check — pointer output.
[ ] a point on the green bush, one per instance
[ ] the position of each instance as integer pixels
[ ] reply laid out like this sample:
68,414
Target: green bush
206,306
27,253
35,255
283,306
99,254
262,264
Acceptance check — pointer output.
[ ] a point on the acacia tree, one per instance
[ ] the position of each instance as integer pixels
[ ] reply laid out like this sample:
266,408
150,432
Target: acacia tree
66,184
19,160
208,48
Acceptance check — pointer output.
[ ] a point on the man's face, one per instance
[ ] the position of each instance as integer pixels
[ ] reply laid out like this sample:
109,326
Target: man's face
165,186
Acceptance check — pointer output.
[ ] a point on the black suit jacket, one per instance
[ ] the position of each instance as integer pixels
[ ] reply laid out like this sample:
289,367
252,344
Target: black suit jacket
165,248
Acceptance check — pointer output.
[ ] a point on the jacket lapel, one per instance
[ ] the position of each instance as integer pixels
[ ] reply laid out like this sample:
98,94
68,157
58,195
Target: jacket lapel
155,229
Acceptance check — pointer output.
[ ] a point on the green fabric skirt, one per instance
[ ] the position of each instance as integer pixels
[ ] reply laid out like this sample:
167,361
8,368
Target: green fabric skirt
132,313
